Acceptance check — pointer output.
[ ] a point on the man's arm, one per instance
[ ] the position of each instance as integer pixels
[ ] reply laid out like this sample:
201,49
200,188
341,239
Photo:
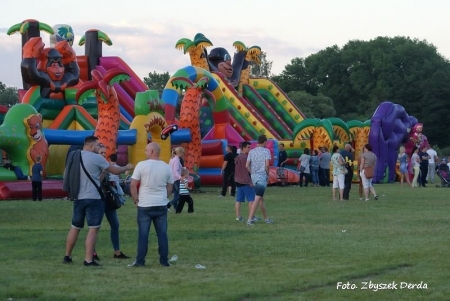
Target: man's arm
134,191
267,166
224,165
169,188
117,170
247,165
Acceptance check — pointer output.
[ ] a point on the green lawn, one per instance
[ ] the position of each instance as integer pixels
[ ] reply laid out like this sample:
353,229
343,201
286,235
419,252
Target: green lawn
313,245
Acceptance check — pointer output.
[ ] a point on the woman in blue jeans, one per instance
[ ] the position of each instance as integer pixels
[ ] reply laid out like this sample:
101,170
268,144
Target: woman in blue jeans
314,166
113,219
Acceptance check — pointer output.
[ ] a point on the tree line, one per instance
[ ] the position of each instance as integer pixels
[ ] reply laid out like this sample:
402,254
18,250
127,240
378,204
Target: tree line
350,82
362,74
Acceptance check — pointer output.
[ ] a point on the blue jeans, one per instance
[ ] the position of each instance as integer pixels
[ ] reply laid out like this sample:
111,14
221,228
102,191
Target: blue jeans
315,175
145,216
176,194
113,220
19,174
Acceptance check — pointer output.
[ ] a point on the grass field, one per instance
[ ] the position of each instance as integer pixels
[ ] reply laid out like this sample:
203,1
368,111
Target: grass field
314,245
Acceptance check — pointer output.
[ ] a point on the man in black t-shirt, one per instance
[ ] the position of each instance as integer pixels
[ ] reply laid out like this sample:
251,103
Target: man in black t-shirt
347,154
282,155
423,155
228,172
282,159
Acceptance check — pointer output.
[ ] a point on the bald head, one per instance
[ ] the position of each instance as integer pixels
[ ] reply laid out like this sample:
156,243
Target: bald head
152,150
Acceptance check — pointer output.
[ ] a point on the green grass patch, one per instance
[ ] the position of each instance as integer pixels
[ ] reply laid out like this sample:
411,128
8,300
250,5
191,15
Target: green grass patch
313,244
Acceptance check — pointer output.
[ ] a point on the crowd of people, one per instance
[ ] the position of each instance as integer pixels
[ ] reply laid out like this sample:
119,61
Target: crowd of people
314,166
245,173
421,165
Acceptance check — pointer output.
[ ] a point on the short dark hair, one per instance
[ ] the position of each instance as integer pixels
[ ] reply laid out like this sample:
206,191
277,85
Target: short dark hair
368,147
306,151
282,144
90,139
262,139
335,148
113,157
245,144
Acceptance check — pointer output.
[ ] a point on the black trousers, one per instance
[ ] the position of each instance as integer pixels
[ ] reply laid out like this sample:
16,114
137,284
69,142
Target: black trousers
423,175
228,180
324,176
306,176
348,182
185,198
36,187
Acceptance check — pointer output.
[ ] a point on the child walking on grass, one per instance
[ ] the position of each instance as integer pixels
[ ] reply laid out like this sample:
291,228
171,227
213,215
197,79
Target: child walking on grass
185,196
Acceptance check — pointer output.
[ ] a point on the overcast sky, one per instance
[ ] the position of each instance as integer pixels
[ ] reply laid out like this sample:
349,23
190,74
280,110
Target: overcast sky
144,33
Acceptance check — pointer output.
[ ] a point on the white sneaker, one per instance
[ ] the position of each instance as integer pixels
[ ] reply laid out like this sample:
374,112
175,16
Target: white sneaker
134,264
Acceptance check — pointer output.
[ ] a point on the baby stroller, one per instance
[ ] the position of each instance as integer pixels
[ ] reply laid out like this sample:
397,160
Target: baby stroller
444,174
125,184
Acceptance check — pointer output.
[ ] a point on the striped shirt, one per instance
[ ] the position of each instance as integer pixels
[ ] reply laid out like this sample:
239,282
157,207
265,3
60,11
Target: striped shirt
184,187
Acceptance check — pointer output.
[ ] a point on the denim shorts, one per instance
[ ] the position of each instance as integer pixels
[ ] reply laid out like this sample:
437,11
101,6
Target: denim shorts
245,192
89,209
260,187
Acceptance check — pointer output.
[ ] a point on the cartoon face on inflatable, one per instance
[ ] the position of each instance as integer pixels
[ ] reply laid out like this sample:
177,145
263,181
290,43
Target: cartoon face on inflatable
221,59
54,68
34,124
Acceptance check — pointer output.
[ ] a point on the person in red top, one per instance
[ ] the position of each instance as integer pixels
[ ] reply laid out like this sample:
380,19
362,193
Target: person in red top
244,185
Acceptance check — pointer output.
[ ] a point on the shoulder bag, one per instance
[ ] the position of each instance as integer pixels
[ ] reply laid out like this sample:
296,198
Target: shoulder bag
110,195
368,172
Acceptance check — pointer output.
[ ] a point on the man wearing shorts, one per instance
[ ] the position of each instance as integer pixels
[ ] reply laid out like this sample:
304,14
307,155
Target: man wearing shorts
244,185
87,202
258,166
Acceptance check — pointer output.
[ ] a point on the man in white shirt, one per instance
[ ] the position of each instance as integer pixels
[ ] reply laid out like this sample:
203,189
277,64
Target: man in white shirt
432,163
156,182
258,167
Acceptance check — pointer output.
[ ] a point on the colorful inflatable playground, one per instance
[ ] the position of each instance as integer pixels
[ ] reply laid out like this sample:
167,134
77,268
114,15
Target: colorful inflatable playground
67,96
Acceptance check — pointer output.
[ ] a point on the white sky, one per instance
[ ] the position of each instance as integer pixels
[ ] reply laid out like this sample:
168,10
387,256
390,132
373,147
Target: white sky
144,32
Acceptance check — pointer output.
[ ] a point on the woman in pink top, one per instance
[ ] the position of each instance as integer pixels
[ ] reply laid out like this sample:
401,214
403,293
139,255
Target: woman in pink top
176,166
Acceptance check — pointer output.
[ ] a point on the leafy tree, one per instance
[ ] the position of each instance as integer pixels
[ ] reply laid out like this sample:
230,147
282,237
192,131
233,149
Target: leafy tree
296,78
8,95
318,106
157,81
362,74
263,69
